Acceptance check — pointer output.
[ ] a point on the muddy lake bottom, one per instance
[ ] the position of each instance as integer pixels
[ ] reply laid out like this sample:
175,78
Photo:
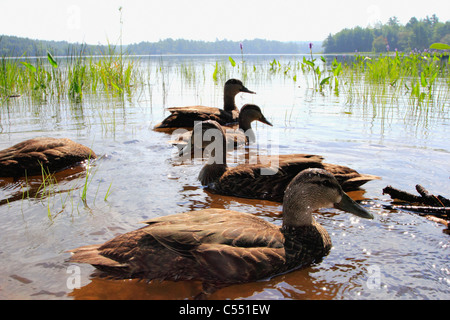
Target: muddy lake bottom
397,255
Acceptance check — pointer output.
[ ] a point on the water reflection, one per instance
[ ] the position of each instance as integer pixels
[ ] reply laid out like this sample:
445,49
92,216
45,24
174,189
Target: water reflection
107,289
304,284
299,285
41,187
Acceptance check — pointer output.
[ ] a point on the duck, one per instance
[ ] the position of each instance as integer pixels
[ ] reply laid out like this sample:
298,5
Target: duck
267,177
30,157
221,247
242,135
184,117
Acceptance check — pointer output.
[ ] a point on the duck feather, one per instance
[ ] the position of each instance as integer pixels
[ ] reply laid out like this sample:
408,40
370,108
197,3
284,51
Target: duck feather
53,154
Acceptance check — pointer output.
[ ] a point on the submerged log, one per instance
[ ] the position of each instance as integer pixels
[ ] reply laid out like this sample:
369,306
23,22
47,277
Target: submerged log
426,203
401,195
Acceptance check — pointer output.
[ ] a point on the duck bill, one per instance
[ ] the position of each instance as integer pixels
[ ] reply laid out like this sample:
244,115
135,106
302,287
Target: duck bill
347,204
244,89
264,120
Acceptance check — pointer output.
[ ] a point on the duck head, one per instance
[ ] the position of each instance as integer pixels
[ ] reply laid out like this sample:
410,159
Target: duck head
311,190
235,86
250,113
231,89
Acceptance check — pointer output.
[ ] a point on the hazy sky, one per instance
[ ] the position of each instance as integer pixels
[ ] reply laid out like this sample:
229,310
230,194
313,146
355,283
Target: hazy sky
98,21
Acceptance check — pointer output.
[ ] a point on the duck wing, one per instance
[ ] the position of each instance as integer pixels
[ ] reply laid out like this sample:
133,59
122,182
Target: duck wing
267,179
348,178
212,245
232,246
194,109
187,116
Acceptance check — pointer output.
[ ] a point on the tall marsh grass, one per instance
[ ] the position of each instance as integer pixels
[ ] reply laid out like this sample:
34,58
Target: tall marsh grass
415,79
72,76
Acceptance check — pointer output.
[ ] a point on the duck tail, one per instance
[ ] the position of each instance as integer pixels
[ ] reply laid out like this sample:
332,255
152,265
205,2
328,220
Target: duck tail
90,255
356,182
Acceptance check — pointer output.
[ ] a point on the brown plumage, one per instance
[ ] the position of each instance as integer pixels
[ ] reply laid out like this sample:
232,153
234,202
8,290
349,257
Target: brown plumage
51,154
221,247
242,135
185,117
269,176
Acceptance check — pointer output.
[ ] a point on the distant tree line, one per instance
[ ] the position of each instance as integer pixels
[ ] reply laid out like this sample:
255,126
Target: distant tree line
11,46
256,46
416,34
15,46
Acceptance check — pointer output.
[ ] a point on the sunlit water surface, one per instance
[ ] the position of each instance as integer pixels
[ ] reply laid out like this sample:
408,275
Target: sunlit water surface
398,255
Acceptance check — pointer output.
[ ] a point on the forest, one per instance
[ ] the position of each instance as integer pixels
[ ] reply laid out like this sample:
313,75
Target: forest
414,35
255,46
11,46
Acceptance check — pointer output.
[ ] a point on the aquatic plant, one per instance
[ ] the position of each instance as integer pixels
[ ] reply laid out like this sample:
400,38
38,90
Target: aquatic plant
9,74
415,73
221,73
319,79
76,74
46,189
336,68
440,46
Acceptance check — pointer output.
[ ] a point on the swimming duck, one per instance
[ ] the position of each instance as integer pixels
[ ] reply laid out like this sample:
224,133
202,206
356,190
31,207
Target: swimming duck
186,116
222,247
29,157
243,135
268,177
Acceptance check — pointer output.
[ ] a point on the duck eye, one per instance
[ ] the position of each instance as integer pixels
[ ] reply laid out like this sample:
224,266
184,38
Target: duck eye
326,183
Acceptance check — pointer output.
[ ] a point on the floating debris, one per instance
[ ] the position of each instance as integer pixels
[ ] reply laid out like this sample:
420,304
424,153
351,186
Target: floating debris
435,208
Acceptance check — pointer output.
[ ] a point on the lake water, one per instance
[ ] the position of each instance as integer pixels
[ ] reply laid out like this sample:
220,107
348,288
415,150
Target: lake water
397,255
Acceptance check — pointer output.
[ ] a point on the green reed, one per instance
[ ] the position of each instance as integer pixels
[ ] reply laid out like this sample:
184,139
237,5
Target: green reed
47,187
48,78
114,72
8,78
420,77
393,77
76,76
